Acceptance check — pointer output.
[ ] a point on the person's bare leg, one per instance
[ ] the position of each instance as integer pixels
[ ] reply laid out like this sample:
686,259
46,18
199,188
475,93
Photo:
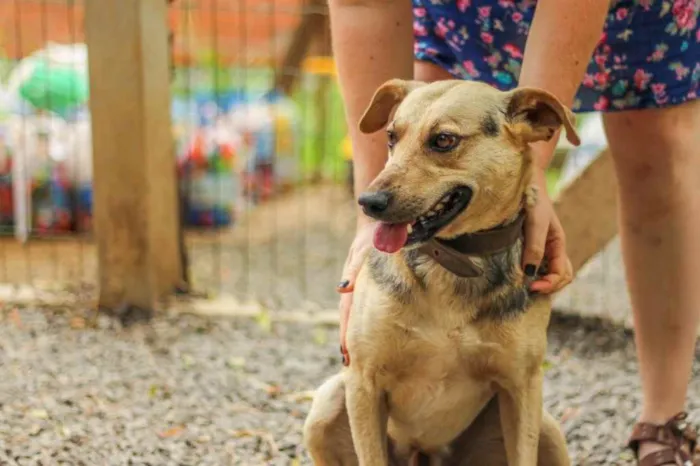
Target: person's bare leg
429,72
657,159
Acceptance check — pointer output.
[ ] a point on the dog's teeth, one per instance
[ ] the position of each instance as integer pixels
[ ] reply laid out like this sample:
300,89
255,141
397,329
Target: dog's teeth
440,206
410,229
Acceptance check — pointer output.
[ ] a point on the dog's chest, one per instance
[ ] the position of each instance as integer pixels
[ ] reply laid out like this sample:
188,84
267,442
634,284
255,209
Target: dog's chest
437,386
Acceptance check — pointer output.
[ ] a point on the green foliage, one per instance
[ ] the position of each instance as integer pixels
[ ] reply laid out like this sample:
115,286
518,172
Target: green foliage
322,129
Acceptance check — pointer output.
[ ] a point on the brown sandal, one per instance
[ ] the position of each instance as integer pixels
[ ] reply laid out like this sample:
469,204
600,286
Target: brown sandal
680,439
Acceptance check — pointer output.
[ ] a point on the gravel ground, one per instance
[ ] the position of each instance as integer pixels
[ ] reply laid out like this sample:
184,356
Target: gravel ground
192,391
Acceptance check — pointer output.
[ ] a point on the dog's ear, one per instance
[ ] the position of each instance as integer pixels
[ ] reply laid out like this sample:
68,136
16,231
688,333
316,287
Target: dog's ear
536,115
385,99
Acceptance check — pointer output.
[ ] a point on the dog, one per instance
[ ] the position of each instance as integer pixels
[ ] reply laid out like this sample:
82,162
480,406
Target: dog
447,343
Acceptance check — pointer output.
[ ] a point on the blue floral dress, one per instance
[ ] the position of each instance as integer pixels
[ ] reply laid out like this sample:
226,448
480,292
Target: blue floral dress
648,54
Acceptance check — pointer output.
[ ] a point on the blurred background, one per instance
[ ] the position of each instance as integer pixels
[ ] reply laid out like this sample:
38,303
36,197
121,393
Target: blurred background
264,165
266,214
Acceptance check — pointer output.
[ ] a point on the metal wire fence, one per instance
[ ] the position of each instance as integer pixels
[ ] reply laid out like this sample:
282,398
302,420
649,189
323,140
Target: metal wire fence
282,225
45,159
260,147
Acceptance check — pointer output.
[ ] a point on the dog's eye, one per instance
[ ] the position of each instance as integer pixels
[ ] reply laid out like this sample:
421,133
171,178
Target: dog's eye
391,137
444,142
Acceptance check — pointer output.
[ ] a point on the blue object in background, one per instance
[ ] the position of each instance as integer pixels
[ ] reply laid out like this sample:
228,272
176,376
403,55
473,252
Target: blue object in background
211,217
202,107
84,199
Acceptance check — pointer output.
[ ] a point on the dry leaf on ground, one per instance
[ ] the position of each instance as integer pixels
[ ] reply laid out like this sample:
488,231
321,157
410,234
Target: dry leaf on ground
172,432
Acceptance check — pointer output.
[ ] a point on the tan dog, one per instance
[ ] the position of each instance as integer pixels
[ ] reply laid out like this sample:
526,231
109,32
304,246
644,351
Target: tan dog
446,342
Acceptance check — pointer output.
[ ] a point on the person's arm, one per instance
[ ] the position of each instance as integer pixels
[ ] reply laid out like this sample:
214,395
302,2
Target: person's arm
372,43
562,38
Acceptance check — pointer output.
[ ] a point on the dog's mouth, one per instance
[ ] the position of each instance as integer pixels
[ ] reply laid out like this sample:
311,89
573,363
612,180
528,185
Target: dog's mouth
391,237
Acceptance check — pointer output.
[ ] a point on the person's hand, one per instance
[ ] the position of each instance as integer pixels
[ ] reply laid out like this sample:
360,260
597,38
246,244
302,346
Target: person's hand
544,237
359,249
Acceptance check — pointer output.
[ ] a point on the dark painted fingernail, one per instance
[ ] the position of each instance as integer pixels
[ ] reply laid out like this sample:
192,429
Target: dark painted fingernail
530,270
344,284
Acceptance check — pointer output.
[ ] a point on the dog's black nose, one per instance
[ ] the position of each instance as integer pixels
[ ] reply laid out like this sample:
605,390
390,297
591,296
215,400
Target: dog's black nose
374,203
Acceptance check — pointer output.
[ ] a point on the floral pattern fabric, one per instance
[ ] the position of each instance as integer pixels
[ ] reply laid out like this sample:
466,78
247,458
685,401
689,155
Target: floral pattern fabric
648,54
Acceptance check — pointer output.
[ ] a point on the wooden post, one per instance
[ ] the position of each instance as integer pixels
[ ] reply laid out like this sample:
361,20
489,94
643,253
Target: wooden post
136,214
587,209
315,17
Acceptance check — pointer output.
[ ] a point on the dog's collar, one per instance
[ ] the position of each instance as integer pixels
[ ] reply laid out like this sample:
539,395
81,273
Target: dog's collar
456,254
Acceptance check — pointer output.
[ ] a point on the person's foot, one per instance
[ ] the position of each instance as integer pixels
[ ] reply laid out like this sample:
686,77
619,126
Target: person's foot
647,450
670,444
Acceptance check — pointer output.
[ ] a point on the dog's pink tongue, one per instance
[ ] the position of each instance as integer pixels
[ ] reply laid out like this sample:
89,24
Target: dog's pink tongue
390,237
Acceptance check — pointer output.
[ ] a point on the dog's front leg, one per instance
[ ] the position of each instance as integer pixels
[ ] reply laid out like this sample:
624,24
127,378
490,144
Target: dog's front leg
367,412
521,417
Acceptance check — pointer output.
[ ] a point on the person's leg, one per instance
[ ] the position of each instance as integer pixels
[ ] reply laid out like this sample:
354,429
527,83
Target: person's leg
429,72
657,159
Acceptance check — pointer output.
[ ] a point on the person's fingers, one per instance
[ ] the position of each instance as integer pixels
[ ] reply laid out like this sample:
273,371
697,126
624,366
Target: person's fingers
556,248
347,282
352,268
353,263
567,275
544,285
560,268
345,305
536,226
551,283
345,287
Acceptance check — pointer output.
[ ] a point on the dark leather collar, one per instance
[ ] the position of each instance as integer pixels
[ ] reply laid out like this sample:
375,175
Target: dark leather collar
456,254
